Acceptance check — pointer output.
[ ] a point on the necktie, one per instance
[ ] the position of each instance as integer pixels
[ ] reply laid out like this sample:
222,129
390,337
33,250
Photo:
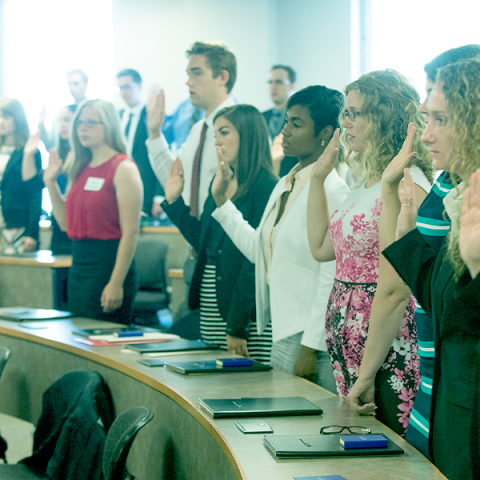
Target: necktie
127,128
196,173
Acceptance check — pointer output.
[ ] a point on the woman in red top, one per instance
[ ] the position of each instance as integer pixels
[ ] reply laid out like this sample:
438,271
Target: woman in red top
101,214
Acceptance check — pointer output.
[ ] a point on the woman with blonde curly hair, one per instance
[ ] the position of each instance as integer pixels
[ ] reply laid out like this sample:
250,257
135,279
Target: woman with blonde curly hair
101,214
380,107
446,283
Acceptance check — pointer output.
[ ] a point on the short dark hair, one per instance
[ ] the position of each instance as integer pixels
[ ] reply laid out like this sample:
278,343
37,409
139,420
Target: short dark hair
450,56
254,148
292,75
324,105
10,107
130,72
80,72
219,58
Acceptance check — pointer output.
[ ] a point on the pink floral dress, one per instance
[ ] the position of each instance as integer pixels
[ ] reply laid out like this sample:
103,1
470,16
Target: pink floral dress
354,232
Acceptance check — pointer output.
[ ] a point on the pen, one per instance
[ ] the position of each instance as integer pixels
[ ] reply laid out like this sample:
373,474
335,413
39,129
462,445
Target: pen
131,333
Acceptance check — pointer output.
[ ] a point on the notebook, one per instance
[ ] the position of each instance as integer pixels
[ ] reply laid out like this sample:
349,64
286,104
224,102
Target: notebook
210,366
294,446
176,346
20,314
258,407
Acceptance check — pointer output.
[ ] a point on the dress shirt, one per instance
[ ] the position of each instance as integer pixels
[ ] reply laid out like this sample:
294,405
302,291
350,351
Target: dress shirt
161,157
135,111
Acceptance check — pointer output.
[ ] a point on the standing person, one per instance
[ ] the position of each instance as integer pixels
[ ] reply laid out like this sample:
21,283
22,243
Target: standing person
291,287
446,282
223,283
380,106
133,123
77,84
101,214
434,224
212,71
21,197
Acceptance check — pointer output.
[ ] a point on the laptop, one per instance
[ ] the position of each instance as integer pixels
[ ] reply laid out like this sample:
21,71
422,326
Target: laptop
296,446
175,346
21,314
195,368
258,407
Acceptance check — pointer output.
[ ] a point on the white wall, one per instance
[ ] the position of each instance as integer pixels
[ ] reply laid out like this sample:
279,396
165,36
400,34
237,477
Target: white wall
313,36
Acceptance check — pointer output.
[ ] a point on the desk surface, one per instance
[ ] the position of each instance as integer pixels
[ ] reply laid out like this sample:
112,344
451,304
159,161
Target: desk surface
41,258
244,455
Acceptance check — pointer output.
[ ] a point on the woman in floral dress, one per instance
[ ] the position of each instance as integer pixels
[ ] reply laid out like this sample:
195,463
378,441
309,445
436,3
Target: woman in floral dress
380,107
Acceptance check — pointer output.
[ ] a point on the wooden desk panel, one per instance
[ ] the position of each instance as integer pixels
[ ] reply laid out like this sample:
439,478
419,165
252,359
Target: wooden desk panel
182,442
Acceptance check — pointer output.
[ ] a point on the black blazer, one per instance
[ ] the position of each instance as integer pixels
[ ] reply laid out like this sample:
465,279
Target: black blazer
235,274
21,201
455,309
151,186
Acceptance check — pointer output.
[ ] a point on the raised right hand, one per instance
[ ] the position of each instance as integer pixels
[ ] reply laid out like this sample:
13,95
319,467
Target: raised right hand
327,160
42,115
407,220
50,174
175,182
156,114
222,179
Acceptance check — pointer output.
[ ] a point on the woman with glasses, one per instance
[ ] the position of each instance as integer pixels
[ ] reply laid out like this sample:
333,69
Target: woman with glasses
380,106
21,196
446,282
101,214
291,287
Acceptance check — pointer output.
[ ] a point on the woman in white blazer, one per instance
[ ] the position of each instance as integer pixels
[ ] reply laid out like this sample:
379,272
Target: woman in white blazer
292,289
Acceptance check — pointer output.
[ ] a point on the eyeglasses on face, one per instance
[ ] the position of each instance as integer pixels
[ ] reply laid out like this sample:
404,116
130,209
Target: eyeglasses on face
336,429
87,123
351,115
279,82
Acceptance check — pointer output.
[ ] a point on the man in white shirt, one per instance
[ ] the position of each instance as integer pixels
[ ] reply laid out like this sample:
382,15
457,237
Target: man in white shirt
77,84
133,123
212,71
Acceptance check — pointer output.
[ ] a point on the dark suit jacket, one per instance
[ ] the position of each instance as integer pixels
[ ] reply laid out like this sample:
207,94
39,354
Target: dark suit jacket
151,186
455,309
235,281
21,201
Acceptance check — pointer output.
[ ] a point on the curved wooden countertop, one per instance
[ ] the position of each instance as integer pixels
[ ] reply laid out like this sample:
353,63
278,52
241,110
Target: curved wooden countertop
245,453
41,258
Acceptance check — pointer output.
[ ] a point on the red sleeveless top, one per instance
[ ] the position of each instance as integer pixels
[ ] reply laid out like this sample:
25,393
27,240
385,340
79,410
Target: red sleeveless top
91,204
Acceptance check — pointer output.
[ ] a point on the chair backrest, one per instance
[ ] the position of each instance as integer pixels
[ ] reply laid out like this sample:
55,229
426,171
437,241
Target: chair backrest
119,440
150,262
4,356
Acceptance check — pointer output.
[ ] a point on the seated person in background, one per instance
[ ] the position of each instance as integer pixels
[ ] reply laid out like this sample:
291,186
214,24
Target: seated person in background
101,215
223,284
434,224
281,85
133,123
446,282
291,287
21,200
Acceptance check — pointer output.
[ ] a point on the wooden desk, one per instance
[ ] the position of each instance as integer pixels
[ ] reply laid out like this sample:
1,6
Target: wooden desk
36,280
182,442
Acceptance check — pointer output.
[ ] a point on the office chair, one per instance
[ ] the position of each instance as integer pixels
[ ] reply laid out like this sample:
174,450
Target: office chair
4,356
152,294
119,440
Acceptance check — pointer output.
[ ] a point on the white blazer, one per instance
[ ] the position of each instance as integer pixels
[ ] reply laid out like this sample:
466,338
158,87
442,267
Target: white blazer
297,296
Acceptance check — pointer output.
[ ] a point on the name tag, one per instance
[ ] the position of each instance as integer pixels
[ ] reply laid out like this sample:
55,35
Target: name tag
94,184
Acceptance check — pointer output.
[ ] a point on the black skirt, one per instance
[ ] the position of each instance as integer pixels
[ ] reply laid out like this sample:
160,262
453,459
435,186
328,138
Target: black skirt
92,266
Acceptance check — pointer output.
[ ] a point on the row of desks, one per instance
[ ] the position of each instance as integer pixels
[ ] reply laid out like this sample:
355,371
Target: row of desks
182,442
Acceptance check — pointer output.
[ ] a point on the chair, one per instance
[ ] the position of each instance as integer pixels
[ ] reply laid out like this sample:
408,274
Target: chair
152,295
4,356
119,440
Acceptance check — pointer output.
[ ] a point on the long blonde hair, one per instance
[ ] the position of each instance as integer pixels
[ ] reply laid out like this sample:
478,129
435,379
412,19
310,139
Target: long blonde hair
390,103
81,156
461,86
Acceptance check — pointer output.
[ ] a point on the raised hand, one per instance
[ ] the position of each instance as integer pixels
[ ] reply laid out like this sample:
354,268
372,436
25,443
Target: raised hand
470,226
50,174
175,182
42,115
31,146
277,149
328,159
222,179
156,114
393,174
407,220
